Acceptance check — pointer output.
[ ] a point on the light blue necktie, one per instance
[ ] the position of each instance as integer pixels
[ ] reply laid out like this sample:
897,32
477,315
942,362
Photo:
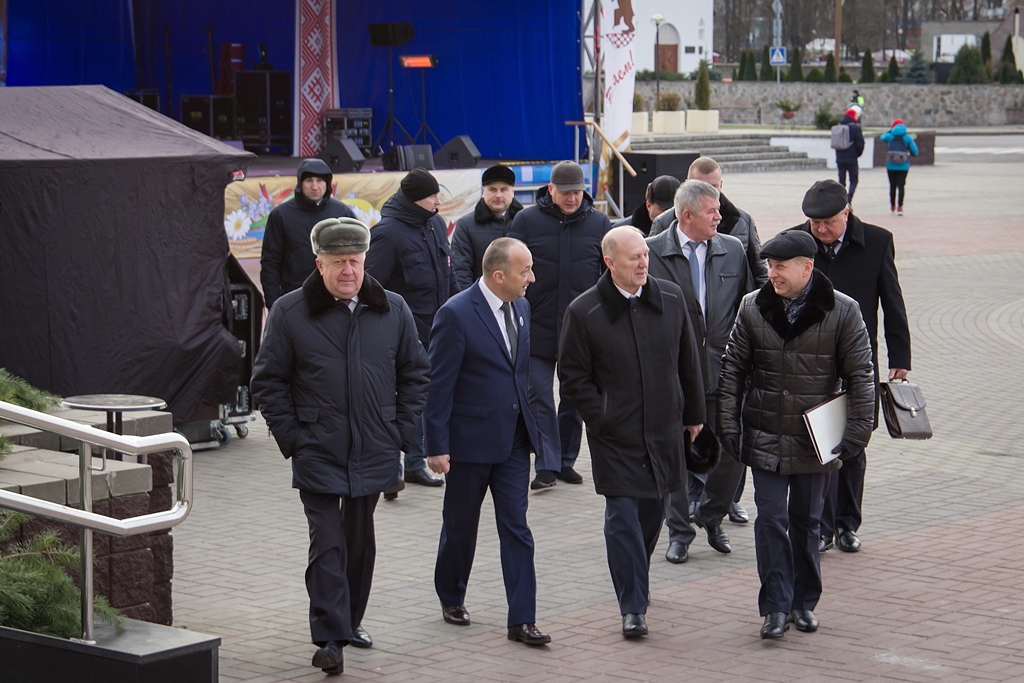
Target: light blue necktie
694,268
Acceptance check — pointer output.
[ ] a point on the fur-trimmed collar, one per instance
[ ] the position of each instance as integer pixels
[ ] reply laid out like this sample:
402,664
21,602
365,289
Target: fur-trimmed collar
319,300
483,215
730,215
615,304
820,300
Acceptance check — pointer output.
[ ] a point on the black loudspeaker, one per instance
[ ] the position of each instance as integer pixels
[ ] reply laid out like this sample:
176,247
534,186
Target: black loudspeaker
459,152
212,115
391,34
343,156
264,107
648,166
408,157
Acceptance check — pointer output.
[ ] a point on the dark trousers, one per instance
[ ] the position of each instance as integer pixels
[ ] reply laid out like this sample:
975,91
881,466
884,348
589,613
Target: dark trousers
565,424
786,534
844,496
715,496
854,171
897,184
414,459
631,530
342,551
464,491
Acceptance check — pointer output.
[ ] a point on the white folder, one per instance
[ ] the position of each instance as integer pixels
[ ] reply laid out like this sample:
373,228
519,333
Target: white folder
826,424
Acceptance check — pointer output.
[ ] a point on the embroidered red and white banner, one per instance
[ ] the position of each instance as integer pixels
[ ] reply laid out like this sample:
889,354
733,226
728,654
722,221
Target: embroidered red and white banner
316,71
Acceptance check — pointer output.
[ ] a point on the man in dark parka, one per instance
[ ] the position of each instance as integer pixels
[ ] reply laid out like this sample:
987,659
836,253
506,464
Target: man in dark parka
628,361
794,342
860,261
491,219
286,261
341,379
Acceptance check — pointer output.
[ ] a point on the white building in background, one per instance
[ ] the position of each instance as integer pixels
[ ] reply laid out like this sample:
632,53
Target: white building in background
686,35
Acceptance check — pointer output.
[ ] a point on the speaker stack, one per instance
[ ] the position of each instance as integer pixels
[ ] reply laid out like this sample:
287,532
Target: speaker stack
648,166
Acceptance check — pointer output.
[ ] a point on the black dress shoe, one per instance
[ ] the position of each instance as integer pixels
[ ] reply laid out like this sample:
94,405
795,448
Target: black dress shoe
360,638
455,614
422,477
392,493
634,625
677,553
529,634
775,625
717,539
804,620
329,659
545,479
569,476
737,515
825,543
847,541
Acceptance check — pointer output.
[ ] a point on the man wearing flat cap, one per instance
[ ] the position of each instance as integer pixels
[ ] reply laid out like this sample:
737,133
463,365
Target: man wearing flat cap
660,194
860,260
286,261
794,343
563,231
490,220
410,255
341,379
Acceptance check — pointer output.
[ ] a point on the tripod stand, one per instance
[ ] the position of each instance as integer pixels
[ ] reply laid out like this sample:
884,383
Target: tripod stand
391,122
424,128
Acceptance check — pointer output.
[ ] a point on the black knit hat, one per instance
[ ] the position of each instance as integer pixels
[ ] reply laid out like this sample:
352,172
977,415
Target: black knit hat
419,184
790,244
825,199
498,174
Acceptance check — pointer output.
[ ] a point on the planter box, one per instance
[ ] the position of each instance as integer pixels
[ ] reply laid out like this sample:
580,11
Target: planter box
141,653
669,122
698,121
639,125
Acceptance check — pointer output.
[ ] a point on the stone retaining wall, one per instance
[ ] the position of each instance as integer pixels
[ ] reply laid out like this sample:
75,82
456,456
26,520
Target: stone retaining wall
920,106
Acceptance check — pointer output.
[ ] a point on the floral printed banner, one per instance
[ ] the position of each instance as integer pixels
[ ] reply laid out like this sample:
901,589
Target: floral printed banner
248,203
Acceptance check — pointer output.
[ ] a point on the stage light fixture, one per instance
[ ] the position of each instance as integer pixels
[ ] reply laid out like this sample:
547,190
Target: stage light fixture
418,61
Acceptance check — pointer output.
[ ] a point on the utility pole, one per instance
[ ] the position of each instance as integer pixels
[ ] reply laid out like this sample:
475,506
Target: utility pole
777,40
657,20
839,33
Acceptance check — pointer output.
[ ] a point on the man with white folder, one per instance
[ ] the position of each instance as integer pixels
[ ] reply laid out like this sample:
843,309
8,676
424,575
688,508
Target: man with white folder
794,342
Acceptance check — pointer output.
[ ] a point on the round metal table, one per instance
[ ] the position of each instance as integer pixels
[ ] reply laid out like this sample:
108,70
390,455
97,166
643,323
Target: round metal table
115,405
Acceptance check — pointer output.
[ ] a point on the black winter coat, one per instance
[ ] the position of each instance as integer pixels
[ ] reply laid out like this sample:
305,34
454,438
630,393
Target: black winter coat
633,372
851,154
735,222
773,371
287,258
473,234
639,219
566,262
410,256
865,269
341,391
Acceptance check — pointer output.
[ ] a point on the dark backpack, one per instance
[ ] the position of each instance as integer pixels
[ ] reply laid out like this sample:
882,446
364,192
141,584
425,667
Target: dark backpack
841,138
898,151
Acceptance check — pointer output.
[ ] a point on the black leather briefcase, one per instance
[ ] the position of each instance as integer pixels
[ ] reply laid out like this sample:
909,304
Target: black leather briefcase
903,407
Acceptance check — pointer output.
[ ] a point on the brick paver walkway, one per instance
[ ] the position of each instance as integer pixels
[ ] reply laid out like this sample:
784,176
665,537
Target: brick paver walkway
934,595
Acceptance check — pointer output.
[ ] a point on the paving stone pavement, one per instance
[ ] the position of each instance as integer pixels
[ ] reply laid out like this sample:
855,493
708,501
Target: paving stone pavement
934,595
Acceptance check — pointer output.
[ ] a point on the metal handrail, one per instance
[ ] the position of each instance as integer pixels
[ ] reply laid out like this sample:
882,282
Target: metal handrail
85,517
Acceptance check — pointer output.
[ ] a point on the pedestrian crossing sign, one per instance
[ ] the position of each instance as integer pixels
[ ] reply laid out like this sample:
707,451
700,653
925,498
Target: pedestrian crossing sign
777,56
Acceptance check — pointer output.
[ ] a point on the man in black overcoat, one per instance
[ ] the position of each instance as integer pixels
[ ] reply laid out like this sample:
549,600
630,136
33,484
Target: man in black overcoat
860,260
629,362
491,219
341,379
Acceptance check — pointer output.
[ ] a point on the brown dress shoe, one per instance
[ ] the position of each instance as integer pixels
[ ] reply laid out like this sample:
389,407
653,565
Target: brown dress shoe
529,634
455,614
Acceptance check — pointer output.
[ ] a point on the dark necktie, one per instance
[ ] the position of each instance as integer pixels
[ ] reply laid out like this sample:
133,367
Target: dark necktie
510,331
830,249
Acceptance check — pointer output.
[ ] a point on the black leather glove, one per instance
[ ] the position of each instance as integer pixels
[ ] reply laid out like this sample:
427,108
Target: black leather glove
731,446
843,450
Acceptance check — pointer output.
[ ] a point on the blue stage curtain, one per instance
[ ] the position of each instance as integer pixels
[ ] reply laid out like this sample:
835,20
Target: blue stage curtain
508,74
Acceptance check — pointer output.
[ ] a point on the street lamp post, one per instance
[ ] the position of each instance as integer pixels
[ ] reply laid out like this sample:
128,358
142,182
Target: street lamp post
657,20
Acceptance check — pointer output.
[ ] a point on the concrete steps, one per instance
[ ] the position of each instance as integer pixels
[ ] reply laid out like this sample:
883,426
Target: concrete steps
737,153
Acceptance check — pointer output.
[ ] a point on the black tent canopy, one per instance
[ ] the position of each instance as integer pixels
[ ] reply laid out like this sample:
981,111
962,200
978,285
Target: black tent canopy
112,249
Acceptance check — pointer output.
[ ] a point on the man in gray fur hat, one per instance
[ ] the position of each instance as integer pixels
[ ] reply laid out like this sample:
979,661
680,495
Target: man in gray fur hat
341,379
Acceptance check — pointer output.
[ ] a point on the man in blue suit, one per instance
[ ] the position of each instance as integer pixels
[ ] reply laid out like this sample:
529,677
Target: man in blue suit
479,429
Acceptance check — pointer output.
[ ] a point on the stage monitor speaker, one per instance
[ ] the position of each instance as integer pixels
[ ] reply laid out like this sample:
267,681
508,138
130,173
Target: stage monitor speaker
391,34
343,156
648,166
408,157
459,152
